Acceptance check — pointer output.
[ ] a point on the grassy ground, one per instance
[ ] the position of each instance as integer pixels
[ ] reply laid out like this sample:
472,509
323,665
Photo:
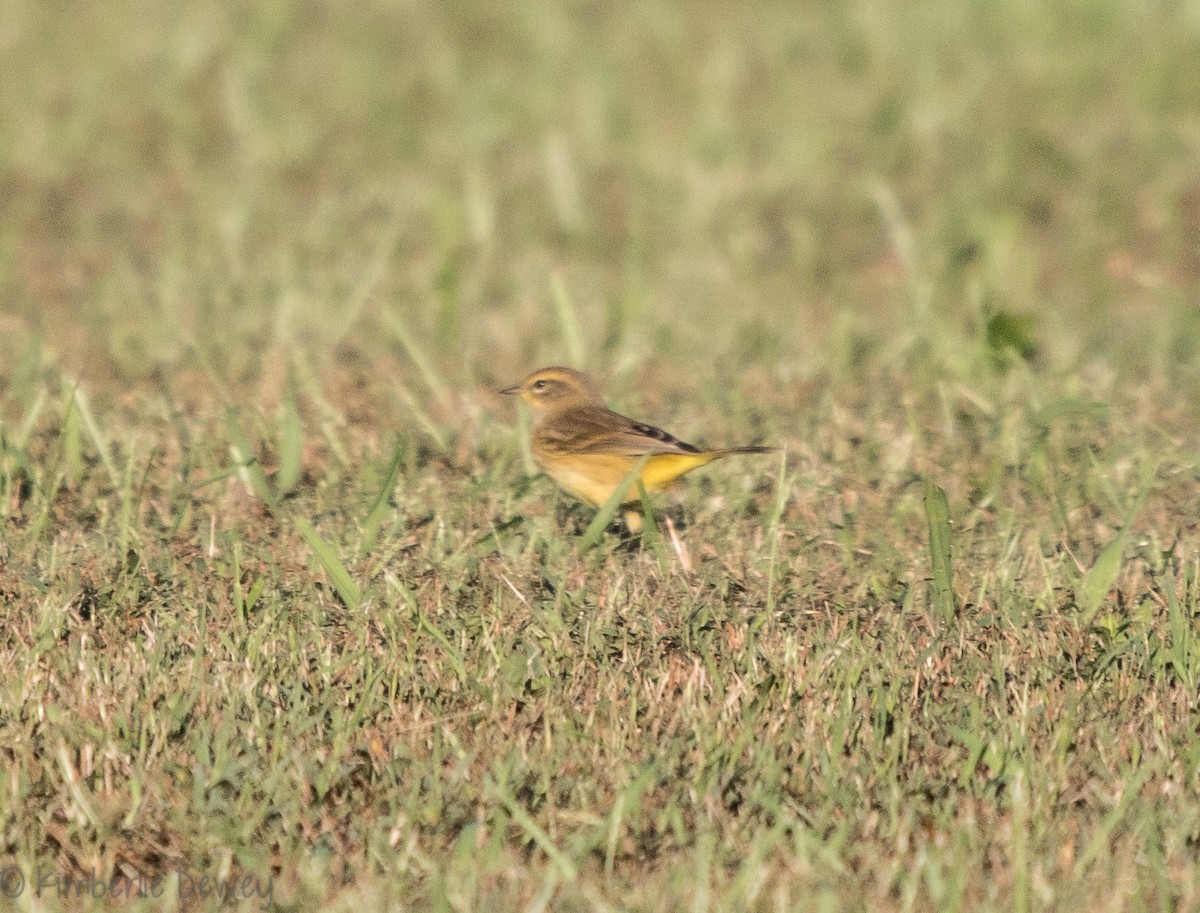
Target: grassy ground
283,599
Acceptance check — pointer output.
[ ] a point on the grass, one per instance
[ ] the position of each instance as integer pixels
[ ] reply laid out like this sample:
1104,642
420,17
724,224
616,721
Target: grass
284,601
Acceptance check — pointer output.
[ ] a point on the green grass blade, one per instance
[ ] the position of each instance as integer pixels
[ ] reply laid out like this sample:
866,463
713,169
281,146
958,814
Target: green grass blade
419,358
626,807
937,515
782,490
30,421
125,523
93,430
609,509
343,583
70,438
372,276
1181,656
1098,582
249,468
380,503
437,634
239,600
904,244
536,833
650,535
423,418
1102,836
291,443
568,319
562,176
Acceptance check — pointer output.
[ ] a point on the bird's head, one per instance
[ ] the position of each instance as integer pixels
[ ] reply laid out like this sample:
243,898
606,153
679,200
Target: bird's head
554,386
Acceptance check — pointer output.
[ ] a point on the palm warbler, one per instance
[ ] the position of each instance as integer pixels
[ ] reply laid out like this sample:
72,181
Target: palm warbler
589,450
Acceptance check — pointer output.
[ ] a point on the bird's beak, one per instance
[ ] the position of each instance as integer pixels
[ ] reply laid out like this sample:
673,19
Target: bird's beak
511,391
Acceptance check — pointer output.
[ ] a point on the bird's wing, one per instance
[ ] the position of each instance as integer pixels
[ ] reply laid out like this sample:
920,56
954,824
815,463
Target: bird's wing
604,431
637,438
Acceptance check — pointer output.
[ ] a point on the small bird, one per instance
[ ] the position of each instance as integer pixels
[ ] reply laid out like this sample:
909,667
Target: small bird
589,450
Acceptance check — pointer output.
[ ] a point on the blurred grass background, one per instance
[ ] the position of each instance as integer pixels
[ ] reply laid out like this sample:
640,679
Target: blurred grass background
707,179
281,598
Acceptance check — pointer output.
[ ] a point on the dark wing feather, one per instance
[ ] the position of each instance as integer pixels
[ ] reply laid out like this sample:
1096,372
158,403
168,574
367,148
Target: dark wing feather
666,439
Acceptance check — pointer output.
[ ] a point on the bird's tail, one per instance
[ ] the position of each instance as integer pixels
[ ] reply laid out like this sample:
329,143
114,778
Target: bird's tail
730,451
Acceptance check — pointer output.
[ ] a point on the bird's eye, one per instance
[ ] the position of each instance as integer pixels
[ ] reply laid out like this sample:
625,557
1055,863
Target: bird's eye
539,385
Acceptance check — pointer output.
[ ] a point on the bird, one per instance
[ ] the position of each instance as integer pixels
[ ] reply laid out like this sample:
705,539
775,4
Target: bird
589,450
